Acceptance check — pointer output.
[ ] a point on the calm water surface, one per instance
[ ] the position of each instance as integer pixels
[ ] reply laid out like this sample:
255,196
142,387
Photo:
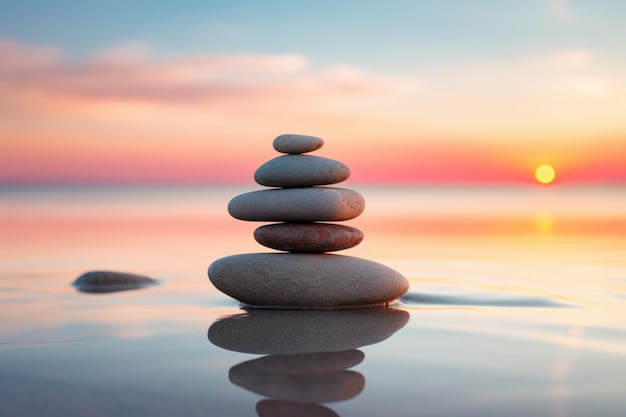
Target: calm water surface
517,307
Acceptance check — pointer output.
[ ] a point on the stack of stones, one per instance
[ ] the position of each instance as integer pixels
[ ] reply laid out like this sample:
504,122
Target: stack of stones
305,275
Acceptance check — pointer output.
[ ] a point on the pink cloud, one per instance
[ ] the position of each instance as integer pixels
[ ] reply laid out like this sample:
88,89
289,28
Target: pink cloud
128,72
15,57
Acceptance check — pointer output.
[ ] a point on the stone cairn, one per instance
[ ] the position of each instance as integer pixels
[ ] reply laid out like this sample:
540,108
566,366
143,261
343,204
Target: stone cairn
304,275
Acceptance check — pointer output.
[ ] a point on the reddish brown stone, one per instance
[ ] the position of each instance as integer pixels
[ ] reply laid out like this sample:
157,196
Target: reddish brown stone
308,237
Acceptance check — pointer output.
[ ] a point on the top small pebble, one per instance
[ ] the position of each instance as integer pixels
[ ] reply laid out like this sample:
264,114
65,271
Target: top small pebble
296,144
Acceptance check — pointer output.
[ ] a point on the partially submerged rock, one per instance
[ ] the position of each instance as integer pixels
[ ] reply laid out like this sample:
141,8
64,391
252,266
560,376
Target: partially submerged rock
108,281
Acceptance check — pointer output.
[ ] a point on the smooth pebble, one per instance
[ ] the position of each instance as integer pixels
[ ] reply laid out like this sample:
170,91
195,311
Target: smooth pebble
301,171
297,205
295,280
308,237
295,144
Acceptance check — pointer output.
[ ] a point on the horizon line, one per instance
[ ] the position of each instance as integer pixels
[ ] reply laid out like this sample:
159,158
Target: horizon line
185,184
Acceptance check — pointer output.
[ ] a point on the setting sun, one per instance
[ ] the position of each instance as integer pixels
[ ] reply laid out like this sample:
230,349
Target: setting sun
544,174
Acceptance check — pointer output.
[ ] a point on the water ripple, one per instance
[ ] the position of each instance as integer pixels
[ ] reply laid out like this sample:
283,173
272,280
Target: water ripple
485,301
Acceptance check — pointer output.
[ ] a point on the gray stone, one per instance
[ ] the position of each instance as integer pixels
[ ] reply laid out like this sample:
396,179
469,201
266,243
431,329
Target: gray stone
301,171
293,280
319,388
288,332
297,143
108,281
311,363
308,237
297,205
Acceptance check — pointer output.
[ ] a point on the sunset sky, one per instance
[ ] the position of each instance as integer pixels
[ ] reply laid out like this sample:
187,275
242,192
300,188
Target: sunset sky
427,92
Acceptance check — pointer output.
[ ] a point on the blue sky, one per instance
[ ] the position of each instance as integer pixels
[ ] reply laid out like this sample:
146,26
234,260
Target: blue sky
391,36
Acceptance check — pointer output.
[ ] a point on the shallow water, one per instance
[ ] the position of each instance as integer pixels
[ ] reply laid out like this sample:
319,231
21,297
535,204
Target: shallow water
517,306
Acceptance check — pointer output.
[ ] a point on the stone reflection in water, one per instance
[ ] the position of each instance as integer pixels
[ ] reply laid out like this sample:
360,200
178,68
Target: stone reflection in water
324,387
309,353
278,408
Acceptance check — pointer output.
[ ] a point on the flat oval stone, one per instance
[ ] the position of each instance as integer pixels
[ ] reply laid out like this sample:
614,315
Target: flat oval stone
308,237
298,205
297,143
289,332
301,171
311,363
108,281
295,280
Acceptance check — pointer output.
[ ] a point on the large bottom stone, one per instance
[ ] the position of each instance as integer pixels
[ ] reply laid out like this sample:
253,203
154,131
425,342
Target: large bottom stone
315,281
